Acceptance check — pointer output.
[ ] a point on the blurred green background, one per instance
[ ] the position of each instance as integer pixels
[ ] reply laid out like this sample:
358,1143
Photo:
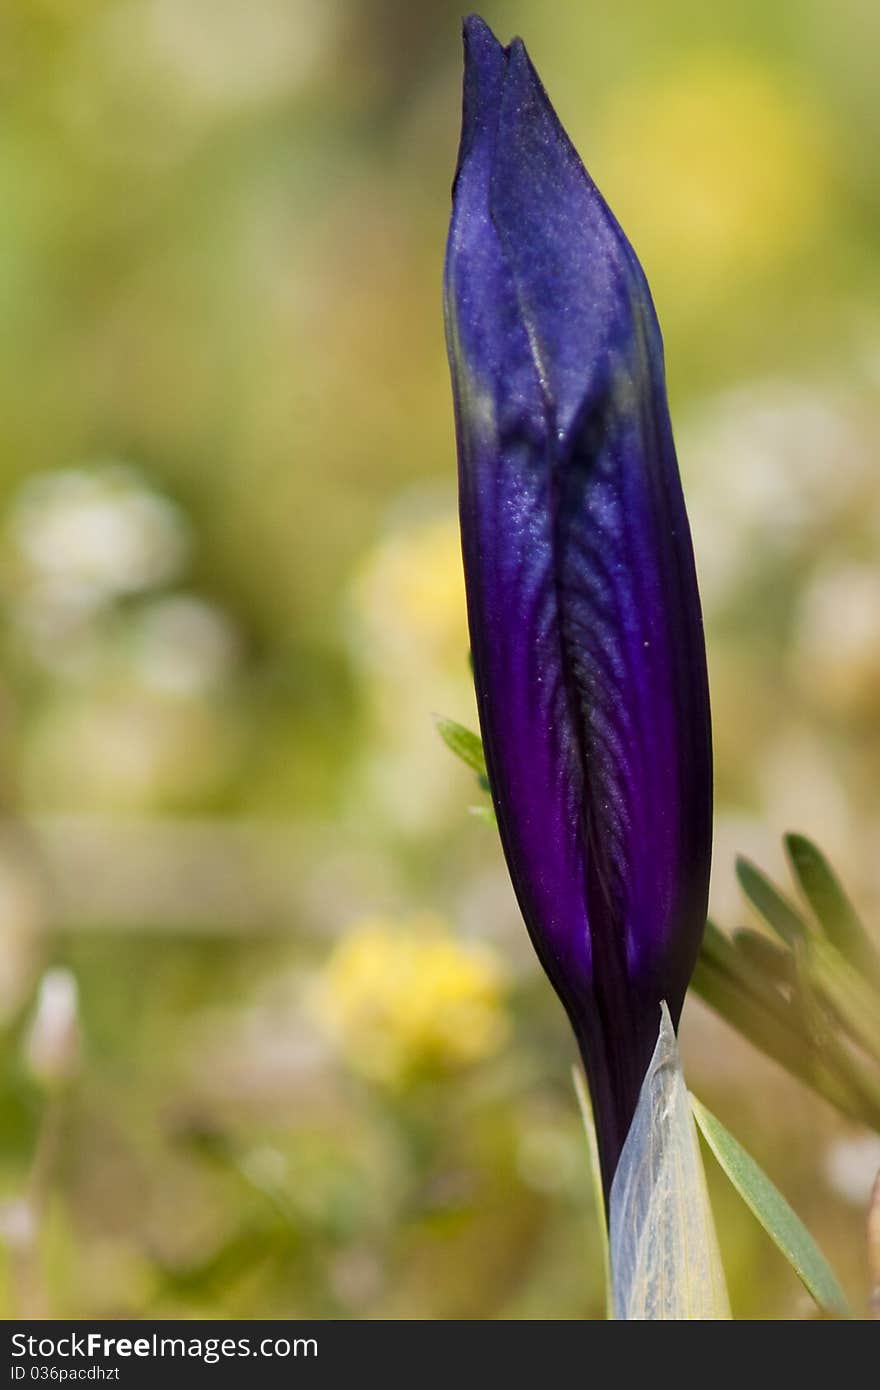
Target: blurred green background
314,1068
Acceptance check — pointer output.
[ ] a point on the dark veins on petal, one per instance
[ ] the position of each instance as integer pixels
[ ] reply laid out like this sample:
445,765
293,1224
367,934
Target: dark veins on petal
582,599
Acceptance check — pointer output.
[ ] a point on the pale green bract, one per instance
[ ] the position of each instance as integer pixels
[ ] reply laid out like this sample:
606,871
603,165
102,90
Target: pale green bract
665,1262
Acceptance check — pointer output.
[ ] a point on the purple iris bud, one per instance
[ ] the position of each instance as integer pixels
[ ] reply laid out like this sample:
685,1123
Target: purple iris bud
585,623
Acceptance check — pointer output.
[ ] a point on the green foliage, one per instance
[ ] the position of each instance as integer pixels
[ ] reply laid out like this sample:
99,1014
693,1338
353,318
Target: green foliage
833,909
585,1105
774,1213
770,903
806,1004
465,745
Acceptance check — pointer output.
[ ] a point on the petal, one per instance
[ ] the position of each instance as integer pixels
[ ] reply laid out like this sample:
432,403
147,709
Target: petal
485,66
507,540
491,359
582,600
633,662
576,275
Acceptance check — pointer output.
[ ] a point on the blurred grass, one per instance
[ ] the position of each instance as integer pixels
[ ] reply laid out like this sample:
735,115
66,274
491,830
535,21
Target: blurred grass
233,603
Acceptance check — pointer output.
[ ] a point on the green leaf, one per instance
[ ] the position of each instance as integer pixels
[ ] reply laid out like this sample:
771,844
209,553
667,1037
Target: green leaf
730,996
853,999
464,744
779,1032
763,957
776,910
725,957
718,948
767,1203
835,1044
665,1262
834,911
582,1092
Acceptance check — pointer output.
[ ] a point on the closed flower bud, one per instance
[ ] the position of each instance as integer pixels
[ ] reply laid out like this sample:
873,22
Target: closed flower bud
584,615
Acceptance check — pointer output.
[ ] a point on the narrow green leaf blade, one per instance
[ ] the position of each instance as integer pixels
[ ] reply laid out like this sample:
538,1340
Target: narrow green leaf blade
762,957
665,1262
582,1092
723,956
834,911
769,902
767,1203
463,743
853,999
783,1039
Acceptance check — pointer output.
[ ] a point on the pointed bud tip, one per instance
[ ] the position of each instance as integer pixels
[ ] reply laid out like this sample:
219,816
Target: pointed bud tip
483,54
484,66
477,35
520,65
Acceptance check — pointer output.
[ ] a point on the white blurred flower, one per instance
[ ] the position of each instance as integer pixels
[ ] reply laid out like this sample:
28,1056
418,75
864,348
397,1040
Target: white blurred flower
356,1276
837,643
852,1166
52,1044
801,787
102,531
18,1225
184,646
765,465
144,79
222,53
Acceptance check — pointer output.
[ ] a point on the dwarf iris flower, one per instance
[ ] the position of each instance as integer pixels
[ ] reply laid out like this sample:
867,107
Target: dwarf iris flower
583,609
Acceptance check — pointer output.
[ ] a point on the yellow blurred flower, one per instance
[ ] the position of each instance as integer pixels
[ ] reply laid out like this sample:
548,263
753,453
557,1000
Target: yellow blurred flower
409,595
402,999
409,633
719,168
